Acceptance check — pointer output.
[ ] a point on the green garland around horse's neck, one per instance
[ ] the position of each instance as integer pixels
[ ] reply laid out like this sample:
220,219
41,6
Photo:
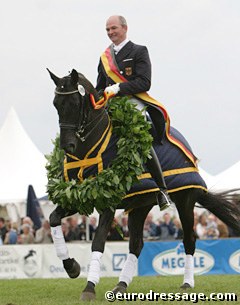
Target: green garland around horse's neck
108,188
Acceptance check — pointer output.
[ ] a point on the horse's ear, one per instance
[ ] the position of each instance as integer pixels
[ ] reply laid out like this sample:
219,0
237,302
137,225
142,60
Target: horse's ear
54,77
74,77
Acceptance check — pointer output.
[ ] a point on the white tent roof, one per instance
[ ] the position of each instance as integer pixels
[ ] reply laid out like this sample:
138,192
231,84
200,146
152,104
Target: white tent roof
228,179
21,163
209,179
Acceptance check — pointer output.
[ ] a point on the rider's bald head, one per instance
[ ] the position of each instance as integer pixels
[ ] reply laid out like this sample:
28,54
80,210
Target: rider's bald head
117,18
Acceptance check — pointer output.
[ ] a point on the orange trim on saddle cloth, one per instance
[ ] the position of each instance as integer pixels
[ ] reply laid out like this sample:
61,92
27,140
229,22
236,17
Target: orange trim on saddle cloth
86,162
112,71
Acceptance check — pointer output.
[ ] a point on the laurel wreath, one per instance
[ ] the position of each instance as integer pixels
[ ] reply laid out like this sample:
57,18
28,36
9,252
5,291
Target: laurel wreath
107,189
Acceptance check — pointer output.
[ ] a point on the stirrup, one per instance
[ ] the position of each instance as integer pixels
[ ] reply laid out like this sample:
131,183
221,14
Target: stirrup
164,201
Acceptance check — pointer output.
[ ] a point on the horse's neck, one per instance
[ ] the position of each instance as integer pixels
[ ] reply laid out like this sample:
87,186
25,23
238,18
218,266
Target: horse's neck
93,132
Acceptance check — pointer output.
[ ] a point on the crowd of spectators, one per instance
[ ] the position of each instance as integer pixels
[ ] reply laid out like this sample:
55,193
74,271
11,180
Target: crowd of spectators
74,229
206,226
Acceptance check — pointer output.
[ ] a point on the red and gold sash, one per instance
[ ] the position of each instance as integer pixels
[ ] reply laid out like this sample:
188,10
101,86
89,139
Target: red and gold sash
113,72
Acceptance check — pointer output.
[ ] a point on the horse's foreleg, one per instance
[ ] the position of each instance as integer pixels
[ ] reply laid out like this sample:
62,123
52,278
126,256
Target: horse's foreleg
136,220
70,264
185,210
98,244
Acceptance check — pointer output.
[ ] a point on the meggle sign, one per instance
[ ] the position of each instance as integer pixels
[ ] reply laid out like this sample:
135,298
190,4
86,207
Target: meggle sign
172,262
234,261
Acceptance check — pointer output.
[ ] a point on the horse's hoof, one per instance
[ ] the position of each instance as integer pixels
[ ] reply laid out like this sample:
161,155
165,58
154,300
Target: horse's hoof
119,288
88,296
186,286
72,268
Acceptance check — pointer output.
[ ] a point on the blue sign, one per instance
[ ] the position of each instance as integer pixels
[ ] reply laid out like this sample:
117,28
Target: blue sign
220,256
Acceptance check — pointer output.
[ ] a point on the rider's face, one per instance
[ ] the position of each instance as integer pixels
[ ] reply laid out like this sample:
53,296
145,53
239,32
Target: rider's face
115,31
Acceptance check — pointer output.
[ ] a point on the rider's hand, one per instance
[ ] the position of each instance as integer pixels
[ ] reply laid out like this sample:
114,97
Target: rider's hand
114,89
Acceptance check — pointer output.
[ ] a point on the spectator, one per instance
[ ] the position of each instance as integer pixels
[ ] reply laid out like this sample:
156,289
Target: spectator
73,226
150,230
233,233
67,233
201,227
82,228
3,229
167,227
12,235
125,226
114,233
196,221
178,229
27,236
92,227
212,231
222,229
43,235
27,220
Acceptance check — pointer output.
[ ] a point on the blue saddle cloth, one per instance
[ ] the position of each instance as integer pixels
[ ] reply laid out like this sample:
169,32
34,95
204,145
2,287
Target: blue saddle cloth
179,171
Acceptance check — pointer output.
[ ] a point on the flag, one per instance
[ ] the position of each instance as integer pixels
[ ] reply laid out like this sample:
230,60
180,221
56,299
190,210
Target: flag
33,208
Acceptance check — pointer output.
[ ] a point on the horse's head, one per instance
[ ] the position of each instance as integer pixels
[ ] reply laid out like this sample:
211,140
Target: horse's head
72,101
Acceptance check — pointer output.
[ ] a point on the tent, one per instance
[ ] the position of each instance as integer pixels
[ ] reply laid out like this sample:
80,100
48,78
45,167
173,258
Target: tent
228,179
21,164
209,179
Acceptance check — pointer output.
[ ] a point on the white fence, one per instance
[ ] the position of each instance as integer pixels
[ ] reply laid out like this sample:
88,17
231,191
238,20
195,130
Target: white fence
40,261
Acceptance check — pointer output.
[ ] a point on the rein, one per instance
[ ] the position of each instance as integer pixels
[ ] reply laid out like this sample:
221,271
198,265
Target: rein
84,127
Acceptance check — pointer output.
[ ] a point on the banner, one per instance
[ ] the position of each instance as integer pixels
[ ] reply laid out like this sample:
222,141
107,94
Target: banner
41,261
211,257
159,257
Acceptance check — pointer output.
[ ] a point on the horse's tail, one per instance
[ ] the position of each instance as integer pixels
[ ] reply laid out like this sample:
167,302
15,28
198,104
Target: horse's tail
224,207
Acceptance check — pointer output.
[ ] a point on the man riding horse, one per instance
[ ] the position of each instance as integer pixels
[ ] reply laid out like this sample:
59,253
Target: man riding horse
125,69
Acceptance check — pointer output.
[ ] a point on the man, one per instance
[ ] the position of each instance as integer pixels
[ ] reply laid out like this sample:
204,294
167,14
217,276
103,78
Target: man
130,64
3,229
167,228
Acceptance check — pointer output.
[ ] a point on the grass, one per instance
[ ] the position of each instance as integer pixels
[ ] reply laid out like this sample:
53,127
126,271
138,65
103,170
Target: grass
67,291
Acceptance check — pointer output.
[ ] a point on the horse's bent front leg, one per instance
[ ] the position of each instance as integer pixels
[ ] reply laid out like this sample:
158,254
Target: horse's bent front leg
70,264
98,244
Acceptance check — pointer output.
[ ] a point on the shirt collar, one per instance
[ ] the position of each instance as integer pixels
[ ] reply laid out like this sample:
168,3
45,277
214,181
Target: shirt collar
120,46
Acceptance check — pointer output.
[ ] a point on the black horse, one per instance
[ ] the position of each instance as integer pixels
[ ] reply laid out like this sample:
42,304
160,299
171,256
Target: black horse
81,126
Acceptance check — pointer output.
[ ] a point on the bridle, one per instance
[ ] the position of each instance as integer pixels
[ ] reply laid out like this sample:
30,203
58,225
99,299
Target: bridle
81,126
66,93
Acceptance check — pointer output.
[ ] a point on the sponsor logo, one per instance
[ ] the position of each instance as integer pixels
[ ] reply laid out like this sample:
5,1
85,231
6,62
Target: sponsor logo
56,269
234,261
172,262
30,265
118,261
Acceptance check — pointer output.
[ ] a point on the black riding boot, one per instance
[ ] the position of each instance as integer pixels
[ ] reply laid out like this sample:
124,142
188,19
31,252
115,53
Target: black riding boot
155,170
